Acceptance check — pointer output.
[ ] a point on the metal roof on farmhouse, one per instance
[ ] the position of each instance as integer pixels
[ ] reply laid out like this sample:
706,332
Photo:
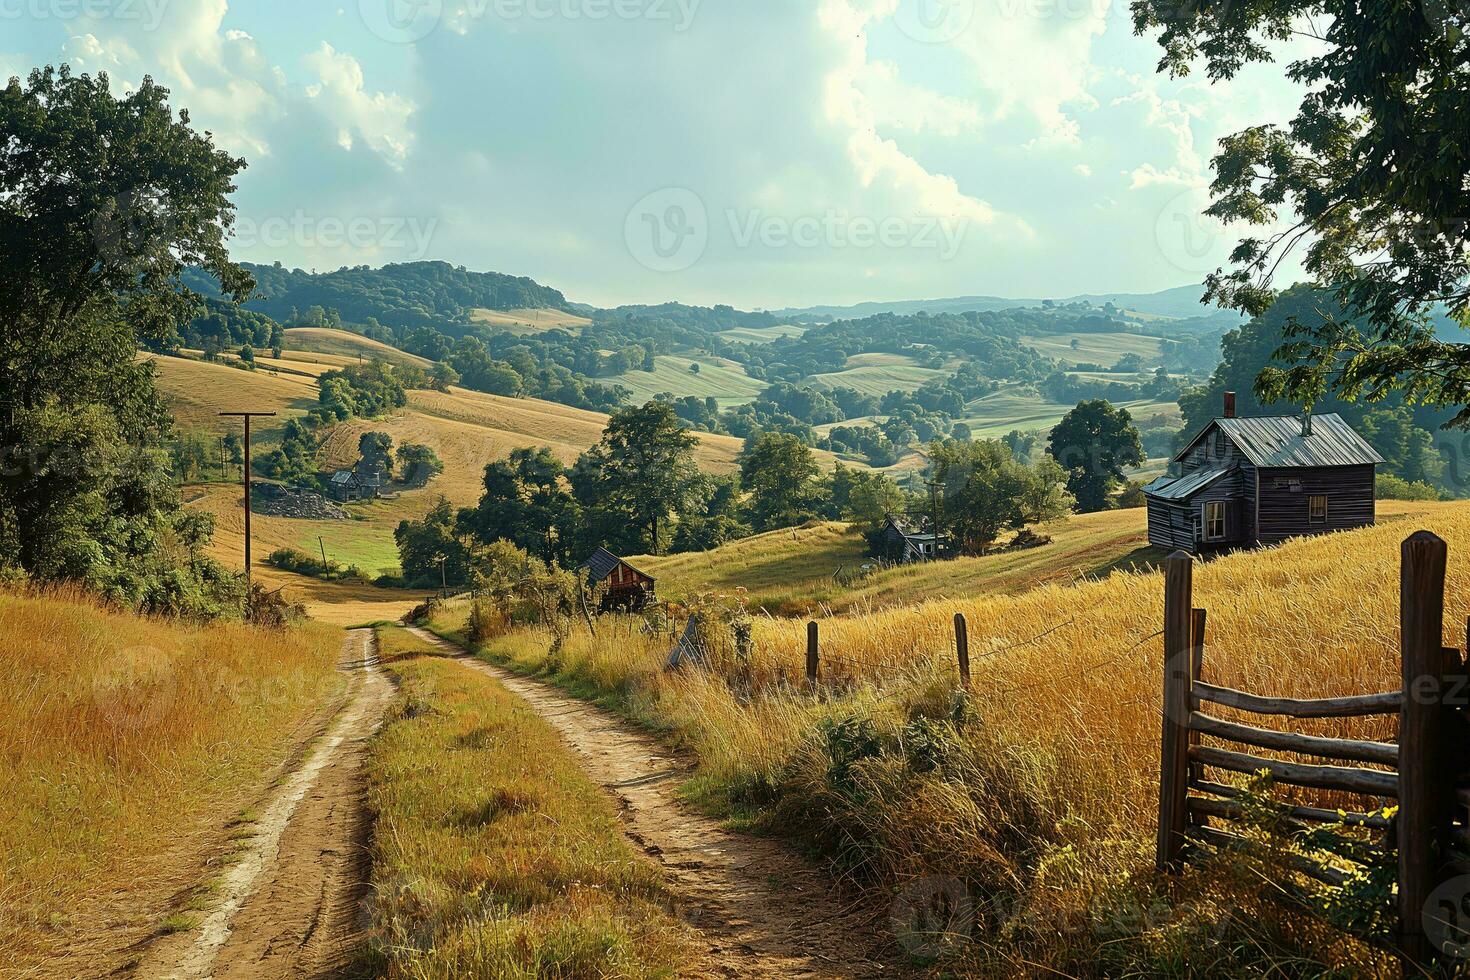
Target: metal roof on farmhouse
602,564
1277,440
1180,487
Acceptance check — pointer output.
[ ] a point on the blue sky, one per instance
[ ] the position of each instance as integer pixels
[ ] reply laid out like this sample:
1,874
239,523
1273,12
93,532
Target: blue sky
751,152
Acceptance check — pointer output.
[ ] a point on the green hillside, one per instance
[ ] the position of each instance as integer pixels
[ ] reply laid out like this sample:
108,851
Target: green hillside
725,381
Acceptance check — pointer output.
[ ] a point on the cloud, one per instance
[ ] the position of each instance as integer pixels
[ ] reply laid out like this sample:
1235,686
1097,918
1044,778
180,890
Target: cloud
381,119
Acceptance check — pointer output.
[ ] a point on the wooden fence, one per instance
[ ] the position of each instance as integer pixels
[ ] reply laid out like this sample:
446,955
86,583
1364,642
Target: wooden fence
1421,773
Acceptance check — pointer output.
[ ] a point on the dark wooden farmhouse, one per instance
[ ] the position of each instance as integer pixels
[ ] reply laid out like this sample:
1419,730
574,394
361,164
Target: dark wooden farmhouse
626,588
902,543
1244,482
358,483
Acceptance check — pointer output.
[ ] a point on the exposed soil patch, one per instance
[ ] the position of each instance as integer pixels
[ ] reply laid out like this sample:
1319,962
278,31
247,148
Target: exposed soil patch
766,911
289,902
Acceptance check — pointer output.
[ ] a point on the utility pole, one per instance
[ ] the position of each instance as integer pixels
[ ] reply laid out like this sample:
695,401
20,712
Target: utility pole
247,416
443,581
323,546
934,510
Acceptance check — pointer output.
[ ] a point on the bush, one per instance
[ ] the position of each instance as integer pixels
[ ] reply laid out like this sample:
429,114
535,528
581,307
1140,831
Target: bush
1392,487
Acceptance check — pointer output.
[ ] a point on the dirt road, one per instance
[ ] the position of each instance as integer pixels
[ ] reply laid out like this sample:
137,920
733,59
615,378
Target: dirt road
288,904
765,911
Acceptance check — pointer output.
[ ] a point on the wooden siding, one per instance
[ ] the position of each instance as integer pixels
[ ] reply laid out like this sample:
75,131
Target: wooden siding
1171,523
1204,453
1351,500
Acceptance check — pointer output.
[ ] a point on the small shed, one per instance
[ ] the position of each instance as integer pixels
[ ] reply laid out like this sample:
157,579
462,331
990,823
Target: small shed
627,588
903,543
1251,481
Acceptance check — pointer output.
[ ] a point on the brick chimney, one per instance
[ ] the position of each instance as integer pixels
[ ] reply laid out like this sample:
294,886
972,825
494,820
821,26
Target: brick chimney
1229,404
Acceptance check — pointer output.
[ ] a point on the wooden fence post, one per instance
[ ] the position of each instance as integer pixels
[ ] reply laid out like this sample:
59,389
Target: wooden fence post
962,647
1425,777
1197,622
1174,756
812,666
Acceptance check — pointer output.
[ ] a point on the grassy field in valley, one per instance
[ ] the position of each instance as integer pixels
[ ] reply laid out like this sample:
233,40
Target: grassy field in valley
1021,407
1096,348
725,381
1039,789
878,374
762,335
345,343
528,322
127,743
494,855
819,568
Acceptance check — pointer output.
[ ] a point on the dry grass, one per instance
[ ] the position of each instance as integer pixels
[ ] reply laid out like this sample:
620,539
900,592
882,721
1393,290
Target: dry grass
126,741
817,569
345,343
527,322
1039,789
494,855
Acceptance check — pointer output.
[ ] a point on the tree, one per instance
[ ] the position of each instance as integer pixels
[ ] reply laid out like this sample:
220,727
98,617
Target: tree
247,356
1372,172
777,470
1093,443
375,450
527,501
417,464
423,544
985,491
103,203
642,471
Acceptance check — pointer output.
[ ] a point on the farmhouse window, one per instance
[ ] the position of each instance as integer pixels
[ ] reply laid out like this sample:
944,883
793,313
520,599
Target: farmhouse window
1215,520
1317,505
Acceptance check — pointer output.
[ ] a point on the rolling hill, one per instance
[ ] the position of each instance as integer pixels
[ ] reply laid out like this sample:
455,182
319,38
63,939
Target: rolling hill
724,381
528,322
348,345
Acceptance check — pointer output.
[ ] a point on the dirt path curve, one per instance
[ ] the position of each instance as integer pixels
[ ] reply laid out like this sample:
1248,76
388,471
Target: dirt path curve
289,903
765,911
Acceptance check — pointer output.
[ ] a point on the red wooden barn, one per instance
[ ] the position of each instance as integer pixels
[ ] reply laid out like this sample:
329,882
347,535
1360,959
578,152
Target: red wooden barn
627,588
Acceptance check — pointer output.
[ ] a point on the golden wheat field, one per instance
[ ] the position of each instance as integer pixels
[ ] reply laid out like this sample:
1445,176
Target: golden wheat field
1048,794
127,742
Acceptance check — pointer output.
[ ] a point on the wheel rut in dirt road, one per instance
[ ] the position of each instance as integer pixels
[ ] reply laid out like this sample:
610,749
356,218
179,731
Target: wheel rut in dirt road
765,911
290,903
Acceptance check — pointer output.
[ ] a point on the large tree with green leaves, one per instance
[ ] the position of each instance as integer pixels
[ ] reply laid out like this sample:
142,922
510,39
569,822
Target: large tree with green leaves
528,502
779,472
104,200
1093,442
641,473
1369,179
986,491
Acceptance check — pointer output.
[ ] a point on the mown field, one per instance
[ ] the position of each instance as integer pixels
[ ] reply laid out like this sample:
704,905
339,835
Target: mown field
1039,789
878,374
1021,407
762,335
127,743
720,379
525,323
347,344
1096,348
